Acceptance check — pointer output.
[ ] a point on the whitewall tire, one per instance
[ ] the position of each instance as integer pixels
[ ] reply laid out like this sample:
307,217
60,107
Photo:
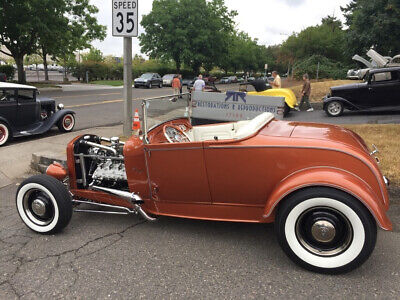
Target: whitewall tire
325,230
44,204
66,123
4,134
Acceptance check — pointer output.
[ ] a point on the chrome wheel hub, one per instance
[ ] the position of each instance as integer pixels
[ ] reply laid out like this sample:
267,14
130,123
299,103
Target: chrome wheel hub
334,108
323,231
39,207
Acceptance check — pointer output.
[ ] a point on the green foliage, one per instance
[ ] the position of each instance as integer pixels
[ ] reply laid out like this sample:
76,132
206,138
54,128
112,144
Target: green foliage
8,70
327,68
114,71
373,23
56,27
94,55
194,32
326,39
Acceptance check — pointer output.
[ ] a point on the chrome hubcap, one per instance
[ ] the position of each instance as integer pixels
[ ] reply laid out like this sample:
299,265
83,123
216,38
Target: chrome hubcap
334,108
323,231
39,207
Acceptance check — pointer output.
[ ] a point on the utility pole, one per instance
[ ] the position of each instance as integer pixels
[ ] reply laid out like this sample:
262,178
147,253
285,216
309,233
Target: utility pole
127,86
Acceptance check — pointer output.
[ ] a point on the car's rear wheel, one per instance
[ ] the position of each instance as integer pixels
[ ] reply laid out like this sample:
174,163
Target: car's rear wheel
44,204
4,133
67,123
325,230
160,85
334,109
150,85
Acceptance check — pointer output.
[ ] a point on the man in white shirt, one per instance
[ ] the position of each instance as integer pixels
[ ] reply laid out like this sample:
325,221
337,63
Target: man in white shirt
199,84
277,83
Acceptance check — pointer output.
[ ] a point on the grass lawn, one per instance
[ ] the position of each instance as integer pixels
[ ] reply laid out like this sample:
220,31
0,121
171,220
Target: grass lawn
319,89
109,82
386,137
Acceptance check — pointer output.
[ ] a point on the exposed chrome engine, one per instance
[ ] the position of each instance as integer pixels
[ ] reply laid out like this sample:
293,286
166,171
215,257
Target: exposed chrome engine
102,165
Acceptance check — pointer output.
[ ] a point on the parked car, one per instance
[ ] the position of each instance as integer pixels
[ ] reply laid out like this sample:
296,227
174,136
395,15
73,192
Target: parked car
319,183
148,80
209,87
22,113
210,79
187,81
3,77
379,91
167,79
233,79
224,80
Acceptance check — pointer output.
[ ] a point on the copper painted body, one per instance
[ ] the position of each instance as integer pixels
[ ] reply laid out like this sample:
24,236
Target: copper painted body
244,180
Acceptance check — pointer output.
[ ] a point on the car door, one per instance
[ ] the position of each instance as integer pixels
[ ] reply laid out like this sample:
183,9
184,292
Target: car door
27,110
177,173
8,105
240,176
384,89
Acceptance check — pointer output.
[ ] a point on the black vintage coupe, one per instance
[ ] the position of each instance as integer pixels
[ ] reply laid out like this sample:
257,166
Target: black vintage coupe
23,114
380,91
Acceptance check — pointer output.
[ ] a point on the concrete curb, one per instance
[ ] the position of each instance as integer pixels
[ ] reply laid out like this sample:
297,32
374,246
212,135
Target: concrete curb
41,160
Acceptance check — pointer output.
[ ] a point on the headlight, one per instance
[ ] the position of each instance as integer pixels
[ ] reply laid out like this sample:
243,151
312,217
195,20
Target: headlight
60,106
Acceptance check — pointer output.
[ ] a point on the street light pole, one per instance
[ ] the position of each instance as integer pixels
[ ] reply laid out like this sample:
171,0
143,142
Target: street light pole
127,129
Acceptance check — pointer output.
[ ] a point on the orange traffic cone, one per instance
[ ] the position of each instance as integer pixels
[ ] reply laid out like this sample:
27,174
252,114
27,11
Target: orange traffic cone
136,121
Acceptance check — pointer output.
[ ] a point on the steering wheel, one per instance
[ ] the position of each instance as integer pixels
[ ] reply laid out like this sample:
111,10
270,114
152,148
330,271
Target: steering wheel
174,134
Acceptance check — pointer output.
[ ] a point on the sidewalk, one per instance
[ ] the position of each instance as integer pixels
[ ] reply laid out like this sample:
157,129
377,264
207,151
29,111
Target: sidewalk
15,158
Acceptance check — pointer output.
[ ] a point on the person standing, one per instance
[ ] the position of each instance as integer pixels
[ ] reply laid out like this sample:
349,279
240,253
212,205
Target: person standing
180,89
176,85
306,92
199,84
277,83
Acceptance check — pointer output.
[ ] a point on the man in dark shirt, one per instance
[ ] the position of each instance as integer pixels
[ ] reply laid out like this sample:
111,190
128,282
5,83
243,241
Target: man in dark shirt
305,93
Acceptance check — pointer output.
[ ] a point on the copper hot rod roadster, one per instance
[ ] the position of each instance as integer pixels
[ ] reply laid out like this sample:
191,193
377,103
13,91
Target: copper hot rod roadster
319,184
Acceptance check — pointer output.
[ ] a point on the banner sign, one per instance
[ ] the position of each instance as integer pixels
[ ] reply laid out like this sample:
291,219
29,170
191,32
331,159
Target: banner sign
234,106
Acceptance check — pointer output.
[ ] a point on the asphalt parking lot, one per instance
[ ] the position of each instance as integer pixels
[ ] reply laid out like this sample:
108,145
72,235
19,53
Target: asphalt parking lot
103,256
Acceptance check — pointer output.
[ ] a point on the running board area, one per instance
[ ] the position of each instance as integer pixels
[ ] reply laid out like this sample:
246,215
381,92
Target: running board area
117,210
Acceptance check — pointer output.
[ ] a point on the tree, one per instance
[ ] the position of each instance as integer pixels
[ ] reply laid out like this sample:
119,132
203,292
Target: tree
56,27
193,32
373,23
94,55
326,40
20,22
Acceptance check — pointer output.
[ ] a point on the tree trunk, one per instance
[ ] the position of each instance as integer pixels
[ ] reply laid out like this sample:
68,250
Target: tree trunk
19,60
46,71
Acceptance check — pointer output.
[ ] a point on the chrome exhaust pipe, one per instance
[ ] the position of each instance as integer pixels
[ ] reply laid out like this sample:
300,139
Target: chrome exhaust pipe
132,197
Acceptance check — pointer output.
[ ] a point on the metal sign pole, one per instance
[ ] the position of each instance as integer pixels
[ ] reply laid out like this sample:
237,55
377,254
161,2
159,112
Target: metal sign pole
127,86
125,24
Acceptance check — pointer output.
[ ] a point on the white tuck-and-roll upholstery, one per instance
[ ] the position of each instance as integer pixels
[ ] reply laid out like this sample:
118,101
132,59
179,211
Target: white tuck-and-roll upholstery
235,130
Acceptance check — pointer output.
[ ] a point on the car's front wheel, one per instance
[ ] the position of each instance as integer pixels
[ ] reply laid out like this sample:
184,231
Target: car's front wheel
44,204
325,230
160,85
4,133
150,85
334,109
67,123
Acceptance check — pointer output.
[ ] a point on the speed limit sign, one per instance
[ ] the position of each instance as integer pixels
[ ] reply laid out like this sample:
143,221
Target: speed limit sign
125,18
